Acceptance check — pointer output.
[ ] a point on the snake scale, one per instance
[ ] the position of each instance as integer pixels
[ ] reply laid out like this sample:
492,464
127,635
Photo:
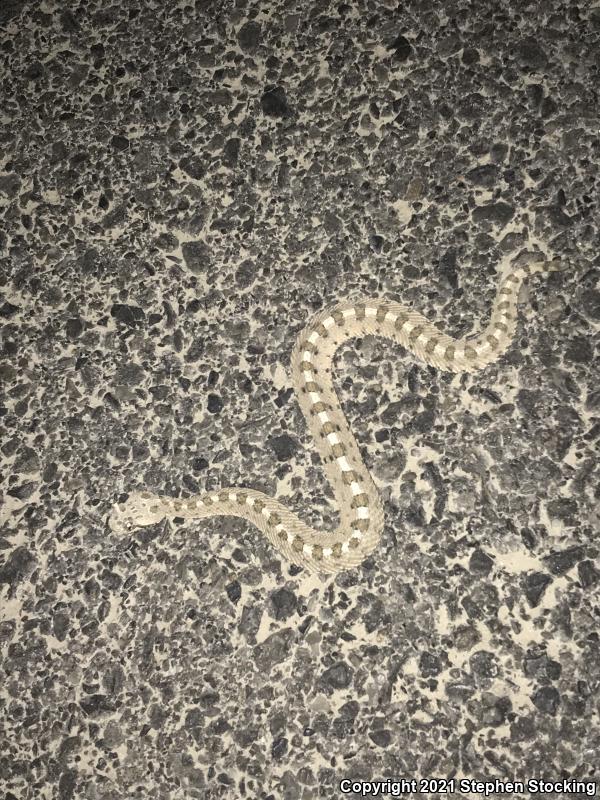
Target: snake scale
356,496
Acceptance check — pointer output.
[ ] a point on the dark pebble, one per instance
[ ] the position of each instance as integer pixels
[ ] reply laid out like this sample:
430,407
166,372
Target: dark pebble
349,710
167,241
530,55
546,699
402,48
557,216
220,97
274,102
27,461
423,422
588,574
66,785
382,738
239,555
180,78
472,106
548,107
579,350
197,256
215,403
498,152
193,167
559,563
530,400
249,36
592,402
483,664
283,603
274,649
565,509
34,71
542,668
96,704
535,94
284,446
523,729
480,562
245,274
447,268
231,151
534,586
10,184
590,304
332,223
429,665
91,261
250,621
97,51
497,213
120,143
129,315
8,310
470,56
130,375
484,175
69,22
234,591
17,566
23,491
279,748
376,243
338,676
493,710
283,395
74,328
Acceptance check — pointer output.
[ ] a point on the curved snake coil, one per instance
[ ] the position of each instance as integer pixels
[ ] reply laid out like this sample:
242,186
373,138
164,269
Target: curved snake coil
361,511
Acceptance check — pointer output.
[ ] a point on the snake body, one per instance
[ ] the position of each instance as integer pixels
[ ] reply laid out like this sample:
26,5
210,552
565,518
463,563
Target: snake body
356,496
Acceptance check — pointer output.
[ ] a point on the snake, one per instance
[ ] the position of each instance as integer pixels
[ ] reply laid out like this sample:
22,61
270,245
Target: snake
361,514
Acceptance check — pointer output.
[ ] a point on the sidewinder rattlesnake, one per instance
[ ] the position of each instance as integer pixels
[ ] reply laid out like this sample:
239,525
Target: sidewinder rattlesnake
356,496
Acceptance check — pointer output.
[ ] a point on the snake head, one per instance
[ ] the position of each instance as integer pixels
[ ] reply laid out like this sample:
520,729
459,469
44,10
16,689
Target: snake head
140,509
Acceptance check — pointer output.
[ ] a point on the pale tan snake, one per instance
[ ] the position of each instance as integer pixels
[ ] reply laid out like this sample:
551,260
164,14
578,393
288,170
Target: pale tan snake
356,496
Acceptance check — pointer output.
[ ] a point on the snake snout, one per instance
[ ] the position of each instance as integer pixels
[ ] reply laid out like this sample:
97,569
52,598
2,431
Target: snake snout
140,509
120,520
